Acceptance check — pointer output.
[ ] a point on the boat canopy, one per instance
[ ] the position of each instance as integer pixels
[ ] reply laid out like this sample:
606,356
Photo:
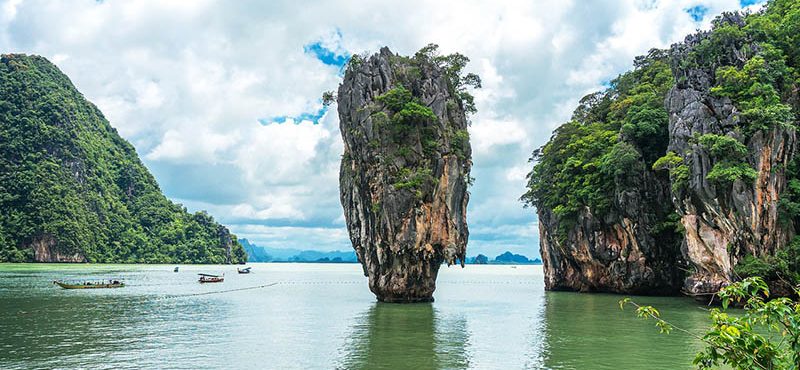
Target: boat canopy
209,275
89,280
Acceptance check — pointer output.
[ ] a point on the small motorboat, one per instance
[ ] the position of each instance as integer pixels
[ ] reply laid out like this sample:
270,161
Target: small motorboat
176,269
245,270
207,278
90,284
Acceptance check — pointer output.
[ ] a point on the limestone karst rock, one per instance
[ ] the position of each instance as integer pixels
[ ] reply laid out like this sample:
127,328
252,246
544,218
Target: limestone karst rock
616,252
405,170
724,222
605,225
683,175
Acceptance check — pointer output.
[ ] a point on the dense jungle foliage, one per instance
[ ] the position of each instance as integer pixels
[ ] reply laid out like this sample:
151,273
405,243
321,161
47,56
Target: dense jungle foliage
70,182
612,134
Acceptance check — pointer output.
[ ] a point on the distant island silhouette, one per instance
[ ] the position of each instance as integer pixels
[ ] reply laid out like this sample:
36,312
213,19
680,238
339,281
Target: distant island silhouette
258,253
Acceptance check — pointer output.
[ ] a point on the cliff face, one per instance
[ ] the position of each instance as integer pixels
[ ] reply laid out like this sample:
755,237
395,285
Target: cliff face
723,131
404,173
45,249
724,222
73,190
617,252
606,221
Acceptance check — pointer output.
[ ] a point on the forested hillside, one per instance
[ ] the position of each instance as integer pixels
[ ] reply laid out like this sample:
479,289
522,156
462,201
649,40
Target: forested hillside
73,190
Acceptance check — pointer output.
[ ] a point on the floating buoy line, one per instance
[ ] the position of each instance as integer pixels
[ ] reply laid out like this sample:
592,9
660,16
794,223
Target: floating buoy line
221,291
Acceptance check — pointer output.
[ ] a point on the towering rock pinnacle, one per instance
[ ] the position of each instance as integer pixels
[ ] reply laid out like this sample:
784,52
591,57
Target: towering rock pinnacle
405,169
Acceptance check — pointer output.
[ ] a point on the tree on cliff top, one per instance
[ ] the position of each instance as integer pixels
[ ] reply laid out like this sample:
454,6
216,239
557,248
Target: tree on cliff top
452,64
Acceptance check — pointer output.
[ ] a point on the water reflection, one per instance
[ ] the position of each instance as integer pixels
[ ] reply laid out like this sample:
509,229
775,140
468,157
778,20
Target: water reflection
451,340
414,336
589,331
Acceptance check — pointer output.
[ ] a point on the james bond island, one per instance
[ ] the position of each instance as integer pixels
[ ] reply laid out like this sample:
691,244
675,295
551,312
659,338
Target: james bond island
405,171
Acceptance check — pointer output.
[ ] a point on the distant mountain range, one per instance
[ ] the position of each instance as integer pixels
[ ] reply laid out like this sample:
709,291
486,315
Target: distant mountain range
266,254
506,258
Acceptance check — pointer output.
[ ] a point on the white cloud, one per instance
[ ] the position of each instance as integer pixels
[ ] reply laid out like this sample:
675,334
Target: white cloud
279,153
187,83
277,209
149,94
187,144
490,133
517,173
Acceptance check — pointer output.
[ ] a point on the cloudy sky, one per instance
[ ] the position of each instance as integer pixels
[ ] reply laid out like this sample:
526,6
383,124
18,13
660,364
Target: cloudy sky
221,98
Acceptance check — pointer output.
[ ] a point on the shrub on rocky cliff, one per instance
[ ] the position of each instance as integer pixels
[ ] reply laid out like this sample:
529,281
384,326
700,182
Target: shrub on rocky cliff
783,266
730,158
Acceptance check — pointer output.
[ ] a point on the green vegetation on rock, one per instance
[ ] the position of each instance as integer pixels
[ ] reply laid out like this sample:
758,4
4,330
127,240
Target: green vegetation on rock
612,135
412,127
696,145
678,170
731,159
73,188
783,266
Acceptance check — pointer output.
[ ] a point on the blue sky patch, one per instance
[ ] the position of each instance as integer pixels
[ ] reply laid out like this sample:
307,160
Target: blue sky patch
325,55
306,116
744,3
698,12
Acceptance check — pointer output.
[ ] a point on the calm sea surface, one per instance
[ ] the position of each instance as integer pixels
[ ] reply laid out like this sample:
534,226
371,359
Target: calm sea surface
323,316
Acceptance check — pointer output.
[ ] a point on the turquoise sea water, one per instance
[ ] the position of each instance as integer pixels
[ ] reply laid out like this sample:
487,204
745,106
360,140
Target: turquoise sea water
323,316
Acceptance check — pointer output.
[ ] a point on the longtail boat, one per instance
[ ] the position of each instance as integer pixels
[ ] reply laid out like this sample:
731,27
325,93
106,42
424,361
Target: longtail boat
245,270
90,284
206,278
